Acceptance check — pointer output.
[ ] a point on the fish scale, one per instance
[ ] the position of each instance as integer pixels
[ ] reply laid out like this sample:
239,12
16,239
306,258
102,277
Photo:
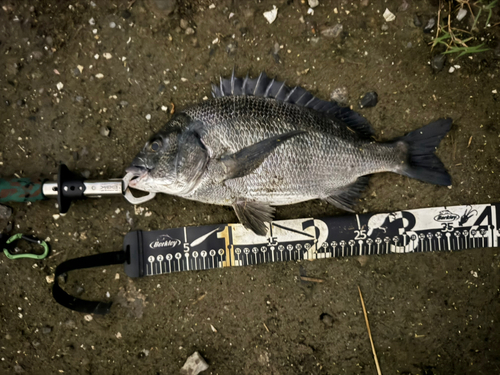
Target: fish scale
315,155
272,145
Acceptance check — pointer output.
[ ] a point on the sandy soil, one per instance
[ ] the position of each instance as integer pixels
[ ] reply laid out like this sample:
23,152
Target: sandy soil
429,313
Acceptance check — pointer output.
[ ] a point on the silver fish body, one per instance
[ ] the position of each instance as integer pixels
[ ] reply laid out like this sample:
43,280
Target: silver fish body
259,144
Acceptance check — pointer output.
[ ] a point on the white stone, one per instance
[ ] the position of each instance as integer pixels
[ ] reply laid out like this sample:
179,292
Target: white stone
99,75
88,317
451,70
461,14
148,117
60,86
107,55
271,14
194,365
388,15
313,3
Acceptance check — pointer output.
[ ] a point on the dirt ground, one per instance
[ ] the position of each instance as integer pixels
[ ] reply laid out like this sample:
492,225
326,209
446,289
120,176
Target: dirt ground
120,63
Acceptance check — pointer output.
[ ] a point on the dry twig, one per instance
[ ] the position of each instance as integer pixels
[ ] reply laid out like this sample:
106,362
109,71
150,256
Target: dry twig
369,332
311,279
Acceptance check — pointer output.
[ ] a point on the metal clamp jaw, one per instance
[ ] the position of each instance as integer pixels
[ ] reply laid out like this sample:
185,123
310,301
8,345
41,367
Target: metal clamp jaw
70,186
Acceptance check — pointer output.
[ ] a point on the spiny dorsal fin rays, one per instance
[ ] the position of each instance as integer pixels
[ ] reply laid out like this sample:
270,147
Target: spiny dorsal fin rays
287,98
232,82
222,87
266,94
244,86
258,82
270,88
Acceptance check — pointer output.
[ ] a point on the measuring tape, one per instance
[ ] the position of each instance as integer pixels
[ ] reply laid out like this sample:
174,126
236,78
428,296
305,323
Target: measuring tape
149,253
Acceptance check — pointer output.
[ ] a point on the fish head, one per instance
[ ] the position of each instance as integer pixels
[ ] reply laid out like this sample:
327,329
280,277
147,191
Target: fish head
155,165
172,161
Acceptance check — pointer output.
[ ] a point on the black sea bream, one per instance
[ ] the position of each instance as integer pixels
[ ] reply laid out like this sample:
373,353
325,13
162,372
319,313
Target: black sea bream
259,144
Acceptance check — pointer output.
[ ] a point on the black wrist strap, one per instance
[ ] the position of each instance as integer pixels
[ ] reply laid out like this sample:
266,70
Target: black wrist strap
77,304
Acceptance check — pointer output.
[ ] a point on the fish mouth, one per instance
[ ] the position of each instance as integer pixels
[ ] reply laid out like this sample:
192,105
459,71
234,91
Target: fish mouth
136,173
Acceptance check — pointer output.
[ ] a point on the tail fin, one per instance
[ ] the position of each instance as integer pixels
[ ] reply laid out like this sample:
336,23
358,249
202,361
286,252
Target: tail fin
422,163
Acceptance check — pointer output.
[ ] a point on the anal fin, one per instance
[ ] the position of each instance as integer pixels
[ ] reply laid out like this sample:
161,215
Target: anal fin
346,197
254,215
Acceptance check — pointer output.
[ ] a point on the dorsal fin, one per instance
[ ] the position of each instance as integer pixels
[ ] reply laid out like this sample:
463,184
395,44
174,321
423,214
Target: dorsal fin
265,87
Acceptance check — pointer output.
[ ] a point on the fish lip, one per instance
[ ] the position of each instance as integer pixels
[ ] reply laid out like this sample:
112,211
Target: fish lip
137,171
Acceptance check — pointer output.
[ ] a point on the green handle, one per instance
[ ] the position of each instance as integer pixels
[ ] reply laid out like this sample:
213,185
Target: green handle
20,190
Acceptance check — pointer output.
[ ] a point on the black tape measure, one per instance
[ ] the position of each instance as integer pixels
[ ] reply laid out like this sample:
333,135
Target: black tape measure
148,253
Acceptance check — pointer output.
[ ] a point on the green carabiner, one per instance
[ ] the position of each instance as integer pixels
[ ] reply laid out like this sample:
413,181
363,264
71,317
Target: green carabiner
18,236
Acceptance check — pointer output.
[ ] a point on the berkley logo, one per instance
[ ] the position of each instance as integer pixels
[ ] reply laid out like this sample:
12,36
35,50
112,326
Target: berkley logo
164,241
446,216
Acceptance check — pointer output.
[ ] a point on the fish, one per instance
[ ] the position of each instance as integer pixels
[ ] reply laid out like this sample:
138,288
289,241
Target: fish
259,143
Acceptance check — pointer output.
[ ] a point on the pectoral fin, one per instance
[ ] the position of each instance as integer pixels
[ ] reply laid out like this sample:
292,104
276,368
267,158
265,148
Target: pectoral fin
254,215
248,159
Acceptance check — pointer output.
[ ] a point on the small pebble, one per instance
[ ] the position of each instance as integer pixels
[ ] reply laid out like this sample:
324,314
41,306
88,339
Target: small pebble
461,14
370,99
430,25
194,365
385,27
88,317
148,117
104,131
340,95
451,70
388,15
327,319
112,24
184,24
231,48
124,103
5,212
333,32
92,21
86,173
416,21
313,3
271,14
403,7
107,55
99,75
60,86
438,62
189,31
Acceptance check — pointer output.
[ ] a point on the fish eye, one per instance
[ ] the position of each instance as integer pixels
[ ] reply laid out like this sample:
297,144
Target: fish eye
155,146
